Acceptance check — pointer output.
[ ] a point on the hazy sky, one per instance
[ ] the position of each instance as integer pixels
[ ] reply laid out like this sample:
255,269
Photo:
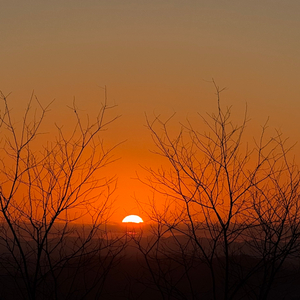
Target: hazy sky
154,56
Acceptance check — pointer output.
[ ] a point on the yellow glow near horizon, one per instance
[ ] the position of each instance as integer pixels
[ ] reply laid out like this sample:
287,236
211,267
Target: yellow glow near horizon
132,219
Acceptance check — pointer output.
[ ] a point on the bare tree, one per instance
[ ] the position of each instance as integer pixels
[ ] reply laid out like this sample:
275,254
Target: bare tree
276,215
226,204
46,186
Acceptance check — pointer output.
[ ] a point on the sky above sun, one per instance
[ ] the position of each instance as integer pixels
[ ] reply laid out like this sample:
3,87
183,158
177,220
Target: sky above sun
155,57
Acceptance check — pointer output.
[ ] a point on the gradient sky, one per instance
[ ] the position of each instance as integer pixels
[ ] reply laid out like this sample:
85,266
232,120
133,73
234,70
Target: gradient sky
156,57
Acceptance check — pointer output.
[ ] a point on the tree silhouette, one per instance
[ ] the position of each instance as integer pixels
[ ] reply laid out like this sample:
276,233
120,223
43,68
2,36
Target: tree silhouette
46,186
230,209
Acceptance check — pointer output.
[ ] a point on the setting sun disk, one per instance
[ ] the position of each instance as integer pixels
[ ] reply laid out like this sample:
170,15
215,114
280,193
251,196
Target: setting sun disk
132,219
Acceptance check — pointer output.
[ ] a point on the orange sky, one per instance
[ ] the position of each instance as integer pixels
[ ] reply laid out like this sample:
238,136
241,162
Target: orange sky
155,57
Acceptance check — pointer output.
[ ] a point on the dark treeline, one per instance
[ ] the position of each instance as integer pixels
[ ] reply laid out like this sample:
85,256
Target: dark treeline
159,274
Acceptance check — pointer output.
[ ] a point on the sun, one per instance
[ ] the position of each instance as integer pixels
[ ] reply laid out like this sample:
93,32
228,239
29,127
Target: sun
132,219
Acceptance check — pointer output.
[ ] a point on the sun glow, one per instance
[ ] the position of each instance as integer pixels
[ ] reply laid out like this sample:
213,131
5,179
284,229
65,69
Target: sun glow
132,219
